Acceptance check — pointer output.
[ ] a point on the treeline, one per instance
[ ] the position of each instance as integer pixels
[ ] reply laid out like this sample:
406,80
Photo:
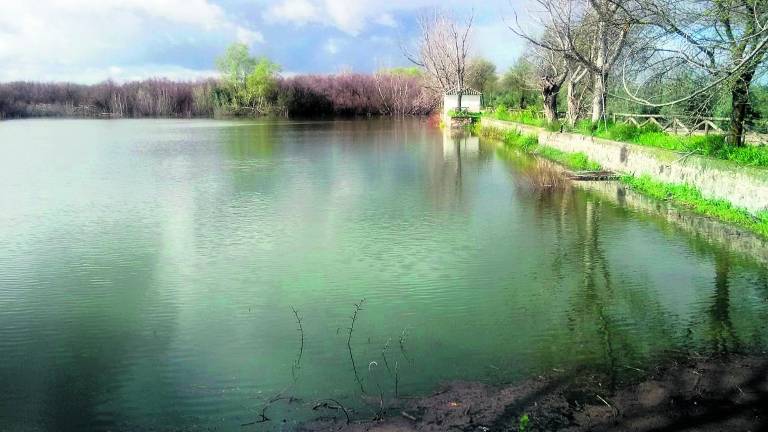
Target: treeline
248,87
304,95
150,98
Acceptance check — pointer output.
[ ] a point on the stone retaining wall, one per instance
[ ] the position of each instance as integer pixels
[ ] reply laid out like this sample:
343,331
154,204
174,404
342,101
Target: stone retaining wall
716,179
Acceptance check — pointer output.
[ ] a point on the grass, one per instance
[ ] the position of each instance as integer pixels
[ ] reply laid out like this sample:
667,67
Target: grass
464,114
689,197
528,117
682,195
650,136
530,143
523,425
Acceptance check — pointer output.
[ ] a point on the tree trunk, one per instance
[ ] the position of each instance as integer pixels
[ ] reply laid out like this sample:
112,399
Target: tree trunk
573,104
600,74
458,108
549,94
739,109
598,99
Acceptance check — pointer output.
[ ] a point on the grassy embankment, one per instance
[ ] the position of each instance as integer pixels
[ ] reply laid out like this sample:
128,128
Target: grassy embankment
682,195
575,161
650,136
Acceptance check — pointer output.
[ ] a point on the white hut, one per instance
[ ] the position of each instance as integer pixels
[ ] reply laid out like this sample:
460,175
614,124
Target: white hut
471,100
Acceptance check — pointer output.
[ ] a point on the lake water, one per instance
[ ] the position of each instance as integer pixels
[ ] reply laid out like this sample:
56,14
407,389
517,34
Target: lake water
148,271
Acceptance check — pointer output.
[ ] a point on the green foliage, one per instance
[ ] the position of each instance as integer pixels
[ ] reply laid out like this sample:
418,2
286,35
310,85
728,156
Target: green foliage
530,143
261,82
248,81
463,114
651,136
501,112
688,196
528,116
514,89
524,420
235,64
403,71
481,75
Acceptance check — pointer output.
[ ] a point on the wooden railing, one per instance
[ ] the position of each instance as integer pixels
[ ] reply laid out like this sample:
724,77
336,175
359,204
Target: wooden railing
678,124
675,124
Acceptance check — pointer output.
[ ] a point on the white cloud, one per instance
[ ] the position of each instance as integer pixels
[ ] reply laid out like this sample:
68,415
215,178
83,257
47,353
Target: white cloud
386,20
295,11
41,38
331,46
353,16
349,16
249,37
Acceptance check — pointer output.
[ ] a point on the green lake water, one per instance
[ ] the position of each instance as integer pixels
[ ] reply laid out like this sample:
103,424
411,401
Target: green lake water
148,269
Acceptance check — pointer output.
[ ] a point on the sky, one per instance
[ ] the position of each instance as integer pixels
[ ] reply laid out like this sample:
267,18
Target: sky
88,41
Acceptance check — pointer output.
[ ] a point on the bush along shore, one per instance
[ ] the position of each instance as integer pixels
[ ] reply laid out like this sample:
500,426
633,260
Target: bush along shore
682,195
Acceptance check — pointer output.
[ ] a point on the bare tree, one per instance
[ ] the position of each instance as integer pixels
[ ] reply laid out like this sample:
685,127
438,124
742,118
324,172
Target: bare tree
604,24
726,40
443,50
575,92
552,71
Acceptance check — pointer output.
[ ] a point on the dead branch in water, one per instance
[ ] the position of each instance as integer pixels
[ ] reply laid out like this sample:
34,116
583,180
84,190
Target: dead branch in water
397,377
384,354
380,414
358,308
294,367
403,337
324,404
297,362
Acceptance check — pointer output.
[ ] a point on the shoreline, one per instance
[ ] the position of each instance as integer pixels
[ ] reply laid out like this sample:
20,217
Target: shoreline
714,393
742,186
676,186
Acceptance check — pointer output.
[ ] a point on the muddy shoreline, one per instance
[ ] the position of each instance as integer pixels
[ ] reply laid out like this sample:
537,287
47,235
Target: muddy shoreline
720,393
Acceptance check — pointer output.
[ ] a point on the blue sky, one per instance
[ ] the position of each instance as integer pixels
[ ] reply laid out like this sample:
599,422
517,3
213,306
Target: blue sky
92,40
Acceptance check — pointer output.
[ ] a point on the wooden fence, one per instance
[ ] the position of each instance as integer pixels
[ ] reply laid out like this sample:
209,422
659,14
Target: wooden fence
757,131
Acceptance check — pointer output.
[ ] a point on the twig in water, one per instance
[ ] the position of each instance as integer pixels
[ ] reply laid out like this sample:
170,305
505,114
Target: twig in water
604,401
614,410
397,378
403,337
295,366
324,404
358,308
297,362
380,414
384,354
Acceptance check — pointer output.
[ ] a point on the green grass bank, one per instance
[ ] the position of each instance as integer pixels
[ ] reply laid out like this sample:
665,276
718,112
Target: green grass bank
713,146
678,194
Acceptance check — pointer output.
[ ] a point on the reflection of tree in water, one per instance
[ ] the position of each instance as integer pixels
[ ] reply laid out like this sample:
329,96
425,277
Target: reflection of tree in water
718,330
595,288
599,307
447,169
720,333
246,142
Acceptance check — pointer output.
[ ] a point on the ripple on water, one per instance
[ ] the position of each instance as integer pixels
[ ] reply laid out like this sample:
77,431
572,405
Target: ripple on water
149,280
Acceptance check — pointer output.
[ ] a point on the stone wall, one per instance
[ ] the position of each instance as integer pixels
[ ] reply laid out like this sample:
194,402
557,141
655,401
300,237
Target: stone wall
716,179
